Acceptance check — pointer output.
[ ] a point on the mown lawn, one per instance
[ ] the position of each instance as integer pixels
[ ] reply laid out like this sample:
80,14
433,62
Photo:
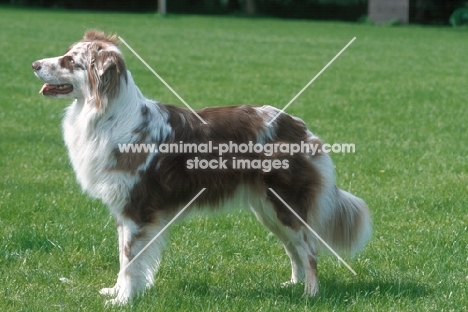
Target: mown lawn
399,94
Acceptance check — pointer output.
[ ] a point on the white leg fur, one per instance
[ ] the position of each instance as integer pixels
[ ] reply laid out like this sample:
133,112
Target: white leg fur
112,291
139,275
307,250
299,247
297,269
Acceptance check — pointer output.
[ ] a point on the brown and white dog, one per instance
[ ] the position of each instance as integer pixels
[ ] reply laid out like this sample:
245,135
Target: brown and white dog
145,190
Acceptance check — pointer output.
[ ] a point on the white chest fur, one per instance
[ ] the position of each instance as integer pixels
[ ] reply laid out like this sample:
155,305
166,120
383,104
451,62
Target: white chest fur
90,141
92,138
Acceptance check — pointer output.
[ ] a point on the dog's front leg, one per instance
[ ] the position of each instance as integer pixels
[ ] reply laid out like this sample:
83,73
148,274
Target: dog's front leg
138,260
112,291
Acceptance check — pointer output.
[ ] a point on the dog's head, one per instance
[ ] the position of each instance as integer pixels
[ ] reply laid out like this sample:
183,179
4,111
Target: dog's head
90,70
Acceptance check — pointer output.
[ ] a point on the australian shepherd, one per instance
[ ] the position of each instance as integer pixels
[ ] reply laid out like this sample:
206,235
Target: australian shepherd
145,189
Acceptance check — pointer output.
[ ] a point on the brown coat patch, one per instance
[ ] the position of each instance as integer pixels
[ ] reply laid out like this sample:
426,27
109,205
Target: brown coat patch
168,184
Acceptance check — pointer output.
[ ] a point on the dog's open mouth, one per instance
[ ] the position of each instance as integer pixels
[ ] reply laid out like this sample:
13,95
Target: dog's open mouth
51,89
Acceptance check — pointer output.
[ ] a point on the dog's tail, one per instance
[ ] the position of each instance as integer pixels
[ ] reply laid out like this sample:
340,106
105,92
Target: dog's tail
348,225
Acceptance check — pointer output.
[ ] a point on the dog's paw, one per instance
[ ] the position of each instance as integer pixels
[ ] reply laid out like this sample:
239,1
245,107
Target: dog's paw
118,301
108,291
288,284
311,290
115,302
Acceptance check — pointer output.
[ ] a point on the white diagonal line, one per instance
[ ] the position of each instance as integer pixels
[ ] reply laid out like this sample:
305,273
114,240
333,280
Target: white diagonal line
162,230
310,82
313,232
162,80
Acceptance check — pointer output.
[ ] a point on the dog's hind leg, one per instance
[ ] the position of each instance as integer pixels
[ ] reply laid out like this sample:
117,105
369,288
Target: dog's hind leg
297,268
307,249
299,246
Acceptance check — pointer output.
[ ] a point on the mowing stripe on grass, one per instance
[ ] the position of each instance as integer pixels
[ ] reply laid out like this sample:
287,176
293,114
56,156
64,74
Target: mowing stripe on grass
310,82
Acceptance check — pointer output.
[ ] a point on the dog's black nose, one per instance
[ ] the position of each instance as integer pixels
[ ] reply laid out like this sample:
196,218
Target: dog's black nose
36,65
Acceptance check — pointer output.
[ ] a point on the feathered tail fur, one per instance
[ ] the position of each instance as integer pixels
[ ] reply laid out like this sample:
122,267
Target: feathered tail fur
348,226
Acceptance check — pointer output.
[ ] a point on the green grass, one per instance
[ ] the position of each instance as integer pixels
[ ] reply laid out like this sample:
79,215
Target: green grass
399,94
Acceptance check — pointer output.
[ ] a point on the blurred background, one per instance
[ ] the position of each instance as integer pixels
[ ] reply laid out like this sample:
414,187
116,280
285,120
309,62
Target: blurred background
436,12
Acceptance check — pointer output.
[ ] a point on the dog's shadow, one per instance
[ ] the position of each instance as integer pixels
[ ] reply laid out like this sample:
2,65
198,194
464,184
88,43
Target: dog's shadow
339,293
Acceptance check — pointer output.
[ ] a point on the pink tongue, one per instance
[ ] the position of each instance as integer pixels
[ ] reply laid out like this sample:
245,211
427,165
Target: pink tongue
43,88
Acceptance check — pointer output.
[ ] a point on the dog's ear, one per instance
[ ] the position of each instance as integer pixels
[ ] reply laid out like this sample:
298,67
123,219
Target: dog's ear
106,68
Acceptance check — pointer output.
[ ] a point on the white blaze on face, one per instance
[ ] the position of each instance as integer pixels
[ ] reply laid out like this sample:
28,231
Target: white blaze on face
63,75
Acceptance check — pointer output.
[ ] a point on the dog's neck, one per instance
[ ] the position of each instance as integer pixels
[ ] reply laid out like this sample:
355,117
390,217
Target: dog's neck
128,100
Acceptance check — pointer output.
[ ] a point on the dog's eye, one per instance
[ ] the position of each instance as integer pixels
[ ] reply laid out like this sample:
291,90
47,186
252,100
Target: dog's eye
68,62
